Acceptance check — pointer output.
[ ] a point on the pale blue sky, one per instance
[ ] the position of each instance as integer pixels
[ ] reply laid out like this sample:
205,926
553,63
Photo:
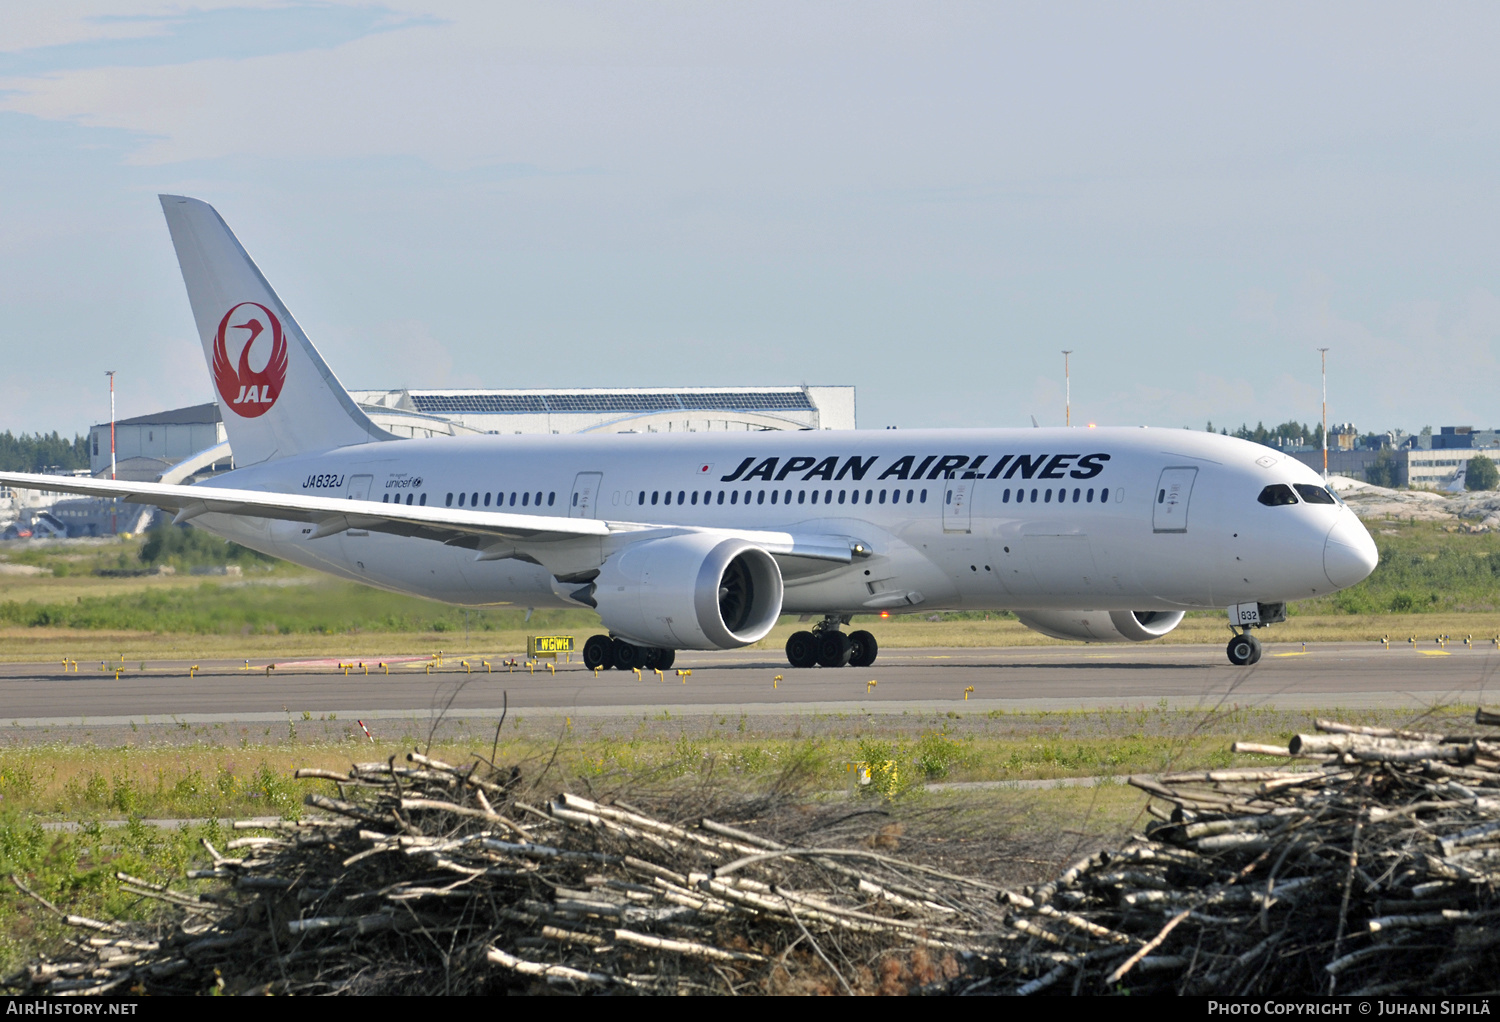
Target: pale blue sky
928,200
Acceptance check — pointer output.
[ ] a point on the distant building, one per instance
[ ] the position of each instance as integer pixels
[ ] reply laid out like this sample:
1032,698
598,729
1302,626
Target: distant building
1434,469
1343,437
1350,463
184,443
634,410
92,516
148,445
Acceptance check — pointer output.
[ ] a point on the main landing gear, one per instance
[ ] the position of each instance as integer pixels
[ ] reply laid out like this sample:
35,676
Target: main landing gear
602,652
826,646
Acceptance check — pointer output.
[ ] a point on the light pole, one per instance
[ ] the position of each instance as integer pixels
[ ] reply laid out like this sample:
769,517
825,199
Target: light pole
1067,390
1324,352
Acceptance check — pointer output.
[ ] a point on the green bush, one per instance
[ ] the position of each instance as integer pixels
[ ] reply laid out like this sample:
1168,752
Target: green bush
1384,471
936,755
184,546
1482,474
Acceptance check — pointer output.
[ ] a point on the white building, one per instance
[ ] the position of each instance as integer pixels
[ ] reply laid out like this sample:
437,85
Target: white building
184,441
635,410
1435,469
148,445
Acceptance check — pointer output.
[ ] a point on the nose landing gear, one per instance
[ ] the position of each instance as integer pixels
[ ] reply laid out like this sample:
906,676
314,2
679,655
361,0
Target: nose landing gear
1244,648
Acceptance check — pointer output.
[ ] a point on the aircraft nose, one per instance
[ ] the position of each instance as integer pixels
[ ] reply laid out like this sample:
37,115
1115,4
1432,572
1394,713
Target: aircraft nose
1349,554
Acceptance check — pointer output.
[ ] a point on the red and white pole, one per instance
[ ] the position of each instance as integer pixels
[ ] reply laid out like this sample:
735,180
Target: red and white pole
1324,352
114,525
111,374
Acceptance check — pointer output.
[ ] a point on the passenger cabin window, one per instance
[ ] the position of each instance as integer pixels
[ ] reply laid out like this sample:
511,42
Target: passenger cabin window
1314,494
1276,495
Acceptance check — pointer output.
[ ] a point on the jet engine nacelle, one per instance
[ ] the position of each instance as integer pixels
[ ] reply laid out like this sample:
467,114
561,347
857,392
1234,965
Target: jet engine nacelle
692,591
1102,625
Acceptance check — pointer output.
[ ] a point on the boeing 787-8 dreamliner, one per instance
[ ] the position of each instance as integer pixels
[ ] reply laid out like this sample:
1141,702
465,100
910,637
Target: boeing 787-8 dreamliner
702,540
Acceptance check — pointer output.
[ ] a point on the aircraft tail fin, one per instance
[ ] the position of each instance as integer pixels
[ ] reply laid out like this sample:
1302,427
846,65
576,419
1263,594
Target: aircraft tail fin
276,394
1459,480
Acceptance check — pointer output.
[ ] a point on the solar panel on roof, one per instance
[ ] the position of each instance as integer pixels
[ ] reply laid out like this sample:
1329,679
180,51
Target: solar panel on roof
492,404
783,400
516,404
613,402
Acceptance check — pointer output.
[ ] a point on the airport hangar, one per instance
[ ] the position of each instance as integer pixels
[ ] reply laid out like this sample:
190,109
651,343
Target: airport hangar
184,444
191,440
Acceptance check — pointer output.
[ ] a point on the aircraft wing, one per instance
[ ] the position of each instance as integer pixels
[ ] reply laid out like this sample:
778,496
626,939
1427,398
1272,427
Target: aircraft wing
465,527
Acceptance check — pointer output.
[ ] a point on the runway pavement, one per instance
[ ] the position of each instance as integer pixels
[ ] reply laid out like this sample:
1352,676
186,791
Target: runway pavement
906,680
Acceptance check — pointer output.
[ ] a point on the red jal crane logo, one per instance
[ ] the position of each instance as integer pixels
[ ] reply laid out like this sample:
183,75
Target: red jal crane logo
248,391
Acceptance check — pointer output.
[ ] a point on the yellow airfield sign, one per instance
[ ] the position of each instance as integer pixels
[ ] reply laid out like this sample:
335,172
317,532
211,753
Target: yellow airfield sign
548,645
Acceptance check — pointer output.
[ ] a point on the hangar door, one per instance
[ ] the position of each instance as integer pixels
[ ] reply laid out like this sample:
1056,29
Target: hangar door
1169,512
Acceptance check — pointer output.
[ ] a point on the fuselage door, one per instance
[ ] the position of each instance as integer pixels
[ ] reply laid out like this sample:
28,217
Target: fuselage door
585,494
1169,511
956,496
359,489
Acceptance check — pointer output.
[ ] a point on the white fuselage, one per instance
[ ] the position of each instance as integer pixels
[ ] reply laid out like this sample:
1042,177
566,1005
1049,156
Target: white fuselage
1100,519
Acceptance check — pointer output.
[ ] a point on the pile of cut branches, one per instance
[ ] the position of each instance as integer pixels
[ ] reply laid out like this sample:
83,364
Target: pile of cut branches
1369,867
1372,871
426,877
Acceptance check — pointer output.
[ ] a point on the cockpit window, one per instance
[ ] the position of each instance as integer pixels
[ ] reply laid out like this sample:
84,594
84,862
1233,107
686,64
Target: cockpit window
1277,494
1315,494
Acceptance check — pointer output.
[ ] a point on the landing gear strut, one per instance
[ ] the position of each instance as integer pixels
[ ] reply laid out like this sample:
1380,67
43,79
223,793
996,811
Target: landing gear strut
826,646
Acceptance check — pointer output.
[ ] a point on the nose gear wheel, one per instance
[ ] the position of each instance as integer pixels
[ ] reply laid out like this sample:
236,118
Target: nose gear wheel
1244,650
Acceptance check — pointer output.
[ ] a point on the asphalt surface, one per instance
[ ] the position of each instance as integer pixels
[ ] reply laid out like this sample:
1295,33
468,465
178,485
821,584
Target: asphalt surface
906,680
